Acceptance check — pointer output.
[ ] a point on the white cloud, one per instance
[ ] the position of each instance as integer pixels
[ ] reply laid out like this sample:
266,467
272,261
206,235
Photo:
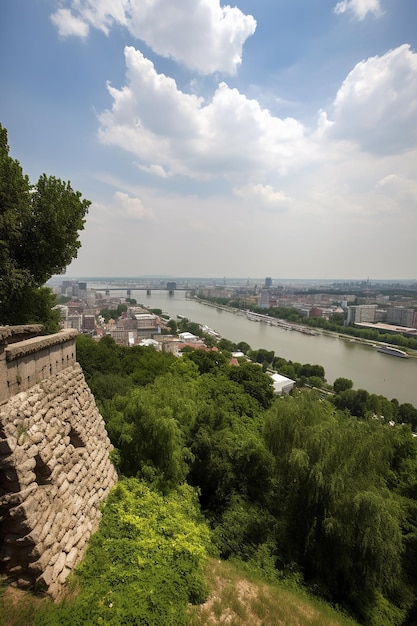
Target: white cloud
120,209
130,208
155,170
201,34
376,106
69,25
263,196
398,192
230,136
359,8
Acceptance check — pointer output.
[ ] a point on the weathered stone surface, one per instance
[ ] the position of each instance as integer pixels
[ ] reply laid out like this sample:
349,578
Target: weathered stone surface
52,490
72,557
59,565
25,582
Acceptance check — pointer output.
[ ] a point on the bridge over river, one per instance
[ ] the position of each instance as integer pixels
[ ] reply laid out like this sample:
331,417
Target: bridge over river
171,288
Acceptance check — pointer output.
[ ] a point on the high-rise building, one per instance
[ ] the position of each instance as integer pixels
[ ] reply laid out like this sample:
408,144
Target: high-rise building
264,299
400,315
268,282
361,313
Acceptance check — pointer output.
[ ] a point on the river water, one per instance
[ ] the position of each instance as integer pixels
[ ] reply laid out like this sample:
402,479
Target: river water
378,373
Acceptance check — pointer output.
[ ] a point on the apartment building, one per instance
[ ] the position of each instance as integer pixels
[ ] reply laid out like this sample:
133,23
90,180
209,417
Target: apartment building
362,313
401,316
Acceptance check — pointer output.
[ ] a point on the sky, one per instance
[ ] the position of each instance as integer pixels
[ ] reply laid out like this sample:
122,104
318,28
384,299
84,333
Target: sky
267,138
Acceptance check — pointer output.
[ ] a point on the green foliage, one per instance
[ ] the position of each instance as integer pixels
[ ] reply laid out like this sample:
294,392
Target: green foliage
144,565
243,346
119,367
296,484
185,326
309,371
244,530
147,426
335,324
362,404
39,226
340,521
173,326
108,314
206,361
226,345
261,356
408,413
35,306
254,382
342,384
229,456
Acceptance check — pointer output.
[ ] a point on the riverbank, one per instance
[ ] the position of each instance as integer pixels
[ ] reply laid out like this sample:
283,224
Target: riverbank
368,369
284,324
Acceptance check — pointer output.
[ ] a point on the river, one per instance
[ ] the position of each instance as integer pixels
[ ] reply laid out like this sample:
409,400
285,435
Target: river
378,373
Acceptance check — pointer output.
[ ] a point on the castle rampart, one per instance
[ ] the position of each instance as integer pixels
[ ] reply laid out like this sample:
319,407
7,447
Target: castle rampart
54,458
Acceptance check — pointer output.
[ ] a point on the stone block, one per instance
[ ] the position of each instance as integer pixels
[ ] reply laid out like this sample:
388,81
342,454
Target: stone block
46,577
23,542
37,437
27,465
63,575
63,487
54,588
71,476
25,582
59,565
26,479
72,557
16,570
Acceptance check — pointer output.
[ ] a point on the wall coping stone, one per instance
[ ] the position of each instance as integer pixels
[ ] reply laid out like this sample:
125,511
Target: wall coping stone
10,334
35,344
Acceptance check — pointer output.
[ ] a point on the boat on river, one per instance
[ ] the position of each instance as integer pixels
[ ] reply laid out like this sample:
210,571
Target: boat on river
209,331
393,351
273,321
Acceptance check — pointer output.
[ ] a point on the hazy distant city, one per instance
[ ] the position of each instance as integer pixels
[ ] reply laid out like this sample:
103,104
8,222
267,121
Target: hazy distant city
390,306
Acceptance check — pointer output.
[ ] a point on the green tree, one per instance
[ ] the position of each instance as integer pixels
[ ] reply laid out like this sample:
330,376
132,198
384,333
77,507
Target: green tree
339,518
39,226
243,346
173,326
342,384
308,370
225,344
408,414
206,361
254,382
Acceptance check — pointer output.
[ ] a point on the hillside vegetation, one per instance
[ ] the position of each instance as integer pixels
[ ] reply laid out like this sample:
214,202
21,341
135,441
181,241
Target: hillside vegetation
303,494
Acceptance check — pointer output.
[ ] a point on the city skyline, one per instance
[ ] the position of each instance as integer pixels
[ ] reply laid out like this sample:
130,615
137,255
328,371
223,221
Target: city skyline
268,139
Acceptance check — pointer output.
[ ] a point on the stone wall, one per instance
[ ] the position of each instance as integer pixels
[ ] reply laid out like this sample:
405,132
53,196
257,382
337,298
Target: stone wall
54,461
27,361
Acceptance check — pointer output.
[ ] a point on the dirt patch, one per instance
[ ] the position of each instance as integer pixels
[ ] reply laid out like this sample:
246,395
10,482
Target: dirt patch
18,607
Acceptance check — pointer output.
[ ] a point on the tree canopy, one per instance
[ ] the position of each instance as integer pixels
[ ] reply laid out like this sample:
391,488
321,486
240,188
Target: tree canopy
323,489
39,229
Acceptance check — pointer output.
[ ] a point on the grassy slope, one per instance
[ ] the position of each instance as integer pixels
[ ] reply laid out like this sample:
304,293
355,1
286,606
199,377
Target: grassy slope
236,598
240,598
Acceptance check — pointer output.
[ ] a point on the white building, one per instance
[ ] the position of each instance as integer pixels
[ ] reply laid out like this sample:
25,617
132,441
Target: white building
361,313
282,384
189,338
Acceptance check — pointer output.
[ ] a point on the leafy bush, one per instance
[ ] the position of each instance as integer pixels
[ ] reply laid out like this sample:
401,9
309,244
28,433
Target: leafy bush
143,566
